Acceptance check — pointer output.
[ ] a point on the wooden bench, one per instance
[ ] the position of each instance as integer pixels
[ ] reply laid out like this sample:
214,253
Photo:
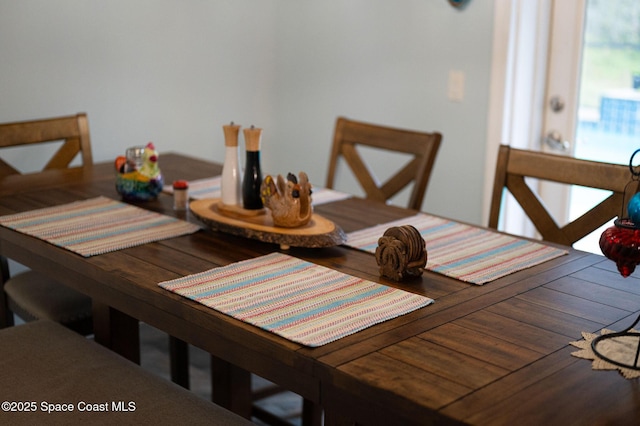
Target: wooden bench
50,375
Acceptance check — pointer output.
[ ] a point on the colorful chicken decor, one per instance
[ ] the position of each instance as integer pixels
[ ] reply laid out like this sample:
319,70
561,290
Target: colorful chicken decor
138,174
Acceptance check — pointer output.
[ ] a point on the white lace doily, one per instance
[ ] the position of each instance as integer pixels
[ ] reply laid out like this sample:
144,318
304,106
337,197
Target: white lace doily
622,349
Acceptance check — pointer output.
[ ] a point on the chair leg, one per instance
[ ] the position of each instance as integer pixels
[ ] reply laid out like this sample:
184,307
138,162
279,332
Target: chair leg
117,331
311,413
231,387
179,359
6,316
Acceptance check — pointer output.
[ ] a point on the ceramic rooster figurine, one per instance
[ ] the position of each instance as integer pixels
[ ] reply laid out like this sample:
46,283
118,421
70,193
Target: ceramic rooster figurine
289,200
149,169
140,184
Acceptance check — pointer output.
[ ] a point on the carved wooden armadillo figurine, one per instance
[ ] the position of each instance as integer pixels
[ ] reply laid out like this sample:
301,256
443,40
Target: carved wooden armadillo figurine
401,253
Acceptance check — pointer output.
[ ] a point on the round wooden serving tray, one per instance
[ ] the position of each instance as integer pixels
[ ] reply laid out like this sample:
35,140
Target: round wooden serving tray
258,225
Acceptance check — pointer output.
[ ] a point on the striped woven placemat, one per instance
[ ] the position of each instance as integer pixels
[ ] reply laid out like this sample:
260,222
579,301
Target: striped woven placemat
97,225
467,253
301,301
200,189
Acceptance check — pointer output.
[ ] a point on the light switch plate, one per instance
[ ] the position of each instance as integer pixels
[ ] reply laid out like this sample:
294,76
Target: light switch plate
456,86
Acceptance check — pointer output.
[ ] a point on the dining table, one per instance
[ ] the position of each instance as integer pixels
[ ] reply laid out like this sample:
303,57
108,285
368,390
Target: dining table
502,350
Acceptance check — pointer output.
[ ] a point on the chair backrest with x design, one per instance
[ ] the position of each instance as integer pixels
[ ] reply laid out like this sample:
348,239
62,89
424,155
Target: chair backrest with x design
23,293
422,146
72,130
514,165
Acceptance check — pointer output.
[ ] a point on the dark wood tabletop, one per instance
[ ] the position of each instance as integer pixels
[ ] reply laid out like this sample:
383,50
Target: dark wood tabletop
493,354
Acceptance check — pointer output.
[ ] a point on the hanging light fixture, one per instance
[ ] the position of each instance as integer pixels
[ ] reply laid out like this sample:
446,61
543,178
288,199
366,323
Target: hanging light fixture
458,3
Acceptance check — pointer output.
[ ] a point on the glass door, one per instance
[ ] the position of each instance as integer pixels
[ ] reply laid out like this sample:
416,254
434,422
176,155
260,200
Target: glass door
593,93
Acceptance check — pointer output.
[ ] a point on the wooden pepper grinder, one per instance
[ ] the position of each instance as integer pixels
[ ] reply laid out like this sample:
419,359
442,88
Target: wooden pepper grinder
231,186
251,199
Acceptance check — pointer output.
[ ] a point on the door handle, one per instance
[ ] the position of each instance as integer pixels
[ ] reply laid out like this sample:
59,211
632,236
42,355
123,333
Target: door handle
556,103
555,141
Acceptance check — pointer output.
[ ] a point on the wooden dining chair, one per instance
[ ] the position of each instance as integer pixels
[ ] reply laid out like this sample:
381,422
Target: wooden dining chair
422,147
349,134
515,165
33,295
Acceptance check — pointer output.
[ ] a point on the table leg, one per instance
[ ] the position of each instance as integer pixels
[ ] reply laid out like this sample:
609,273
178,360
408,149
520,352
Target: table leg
231,387
179,358
117,331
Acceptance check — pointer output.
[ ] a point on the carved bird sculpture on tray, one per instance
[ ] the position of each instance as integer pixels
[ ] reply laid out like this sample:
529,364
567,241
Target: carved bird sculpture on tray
289,200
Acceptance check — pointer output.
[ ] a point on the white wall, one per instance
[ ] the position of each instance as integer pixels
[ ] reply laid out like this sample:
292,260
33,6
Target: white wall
175,71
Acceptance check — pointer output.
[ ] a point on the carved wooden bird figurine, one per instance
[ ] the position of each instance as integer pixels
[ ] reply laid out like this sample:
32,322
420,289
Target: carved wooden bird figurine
289,200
